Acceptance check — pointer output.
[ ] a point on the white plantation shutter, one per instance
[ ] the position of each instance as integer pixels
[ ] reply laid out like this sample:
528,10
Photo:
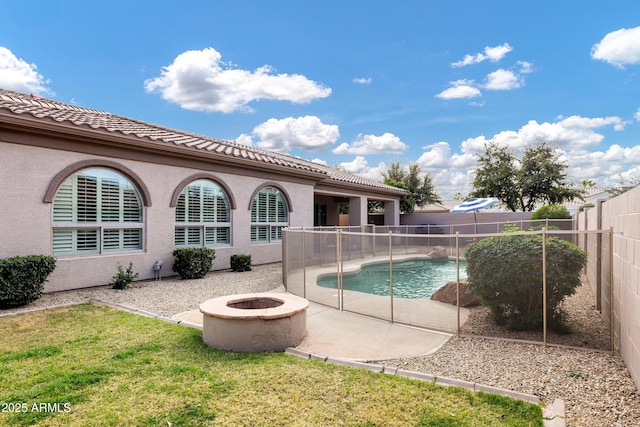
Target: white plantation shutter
269,214
203,215
96,211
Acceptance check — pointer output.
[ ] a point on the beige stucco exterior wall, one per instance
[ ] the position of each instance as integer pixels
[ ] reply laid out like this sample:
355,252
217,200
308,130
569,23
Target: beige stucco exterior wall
622,214
25,220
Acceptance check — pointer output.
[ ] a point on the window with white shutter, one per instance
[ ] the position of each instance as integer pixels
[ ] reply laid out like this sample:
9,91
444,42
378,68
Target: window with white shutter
96,211
269,215
203,215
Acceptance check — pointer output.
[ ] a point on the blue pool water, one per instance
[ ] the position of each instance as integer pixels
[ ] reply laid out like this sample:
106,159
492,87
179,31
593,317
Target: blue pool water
416,278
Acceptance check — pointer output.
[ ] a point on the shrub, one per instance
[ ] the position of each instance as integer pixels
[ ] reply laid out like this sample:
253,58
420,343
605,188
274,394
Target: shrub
586,206
506,272
193,263
123,278
241,262
551,212
22,279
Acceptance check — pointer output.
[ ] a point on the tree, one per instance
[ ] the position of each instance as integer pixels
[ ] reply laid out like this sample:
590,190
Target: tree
496,176
407,203
521,184
421,189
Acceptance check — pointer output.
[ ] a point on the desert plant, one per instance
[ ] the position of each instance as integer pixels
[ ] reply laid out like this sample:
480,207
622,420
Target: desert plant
123,278
193,263
22,279
240,262
506,272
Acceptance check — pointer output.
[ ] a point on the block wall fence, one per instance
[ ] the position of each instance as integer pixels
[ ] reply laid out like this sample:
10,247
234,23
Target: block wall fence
622,215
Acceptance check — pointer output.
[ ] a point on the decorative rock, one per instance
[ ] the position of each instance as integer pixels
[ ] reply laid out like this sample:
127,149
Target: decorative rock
448,294
439,252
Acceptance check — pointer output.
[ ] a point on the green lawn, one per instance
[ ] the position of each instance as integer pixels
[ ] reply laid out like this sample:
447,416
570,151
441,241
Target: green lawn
94,365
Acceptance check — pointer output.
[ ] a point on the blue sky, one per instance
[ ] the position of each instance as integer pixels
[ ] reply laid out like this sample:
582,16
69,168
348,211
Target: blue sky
355,83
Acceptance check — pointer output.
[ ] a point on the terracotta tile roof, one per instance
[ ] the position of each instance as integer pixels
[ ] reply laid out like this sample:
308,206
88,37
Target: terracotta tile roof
101,121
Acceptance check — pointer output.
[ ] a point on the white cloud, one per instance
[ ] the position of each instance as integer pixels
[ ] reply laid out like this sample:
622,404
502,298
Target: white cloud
199,80
244,139
637,115
460,89
362,80
372,144
359,166
494,54
319,162
503,80
619,48
525,67
16,74
573,136
306,133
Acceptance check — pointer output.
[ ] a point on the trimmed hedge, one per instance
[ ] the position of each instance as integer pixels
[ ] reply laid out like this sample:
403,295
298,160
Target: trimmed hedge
240,262
193,263
506,272
22,279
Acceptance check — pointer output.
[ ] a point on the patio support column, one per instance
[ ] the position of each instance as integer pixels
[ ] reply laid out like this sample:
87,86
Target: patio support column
357,211
392,212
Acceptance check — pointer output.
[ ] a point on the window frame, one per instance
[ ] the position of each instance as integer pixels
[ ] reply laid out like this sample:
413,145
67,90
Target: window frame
268,220
97,210
195,231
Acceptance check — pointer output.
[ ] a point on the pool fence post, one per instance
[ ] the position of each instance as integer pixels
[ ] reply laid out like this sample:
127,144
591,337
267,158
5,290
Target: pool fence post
391,272
544,286
458,279
340,268
304,264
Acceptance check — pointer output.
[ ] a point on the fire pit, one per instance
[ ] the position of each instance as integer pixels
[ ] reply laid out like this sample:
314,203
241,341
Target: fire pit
254,323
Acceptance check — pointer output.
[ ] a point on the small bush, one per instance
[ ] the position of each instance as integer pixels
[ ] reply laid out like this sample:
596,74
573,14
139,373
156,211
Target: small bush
123,278
193,263
241,262
551,212
22,279
506,272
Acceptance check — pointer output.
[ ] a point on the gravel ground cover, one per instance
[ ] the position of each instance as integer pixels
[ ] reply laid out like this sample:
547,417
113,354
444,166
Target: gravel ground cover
595,385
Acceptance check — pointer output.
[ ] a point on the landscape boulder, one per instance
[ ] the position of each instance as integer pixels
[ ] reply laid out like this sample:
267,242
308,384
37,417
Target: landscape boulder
447,294
439,252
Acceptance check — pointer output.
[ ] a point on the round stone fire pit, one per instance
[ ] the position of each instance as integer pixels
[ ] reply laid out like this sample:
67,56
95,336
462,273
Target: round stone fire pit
254,323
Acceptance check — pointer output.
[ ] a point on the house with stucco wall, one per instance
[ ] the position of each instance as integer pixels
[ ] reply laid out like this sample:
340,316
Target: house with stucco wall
94,189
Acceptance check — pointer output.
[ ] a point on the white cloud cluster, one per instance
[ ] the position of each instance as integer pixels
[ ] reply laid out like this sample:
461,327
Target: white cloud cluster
574,138
17,74
460,89
619,48
494,54
373,144
199,80
360,166
501,79
306,133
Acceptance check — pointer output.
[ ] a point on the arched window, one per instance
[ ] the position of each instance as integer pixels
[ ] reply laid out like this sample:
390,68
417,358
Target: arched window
97,211
269,215
203,216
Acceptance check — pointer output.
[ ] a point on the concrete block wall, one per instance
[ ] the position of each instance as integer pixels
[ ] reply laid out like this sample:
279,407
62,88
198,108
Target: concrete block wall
622,213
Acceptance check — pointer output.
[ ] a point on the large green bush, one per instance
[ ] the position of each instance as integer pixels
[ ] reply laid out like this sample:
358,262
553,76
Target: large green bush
240,262
22,279
506,272
193,263
551,212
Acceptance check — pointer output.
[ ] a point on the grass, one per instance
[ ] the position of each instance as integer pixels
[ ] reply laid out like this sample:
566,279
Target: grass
90,364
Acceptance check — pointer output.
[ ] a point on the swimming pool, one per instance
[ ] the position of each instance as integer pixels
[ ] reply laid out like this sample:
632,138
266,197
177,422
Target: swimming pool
415,278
